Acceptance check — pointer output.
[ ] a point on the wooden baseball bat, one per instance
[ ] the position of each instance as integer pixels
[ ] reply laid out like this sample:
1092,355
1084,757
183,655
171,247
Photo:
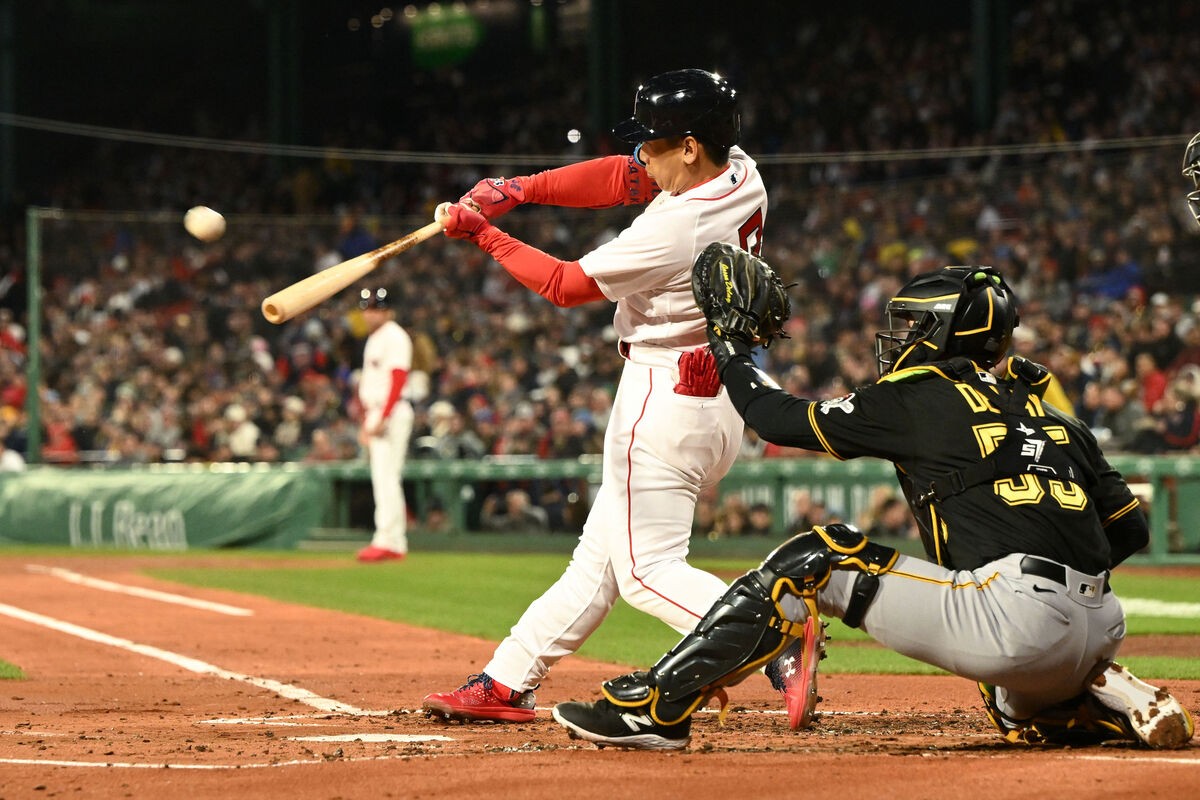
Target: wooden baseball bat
303,295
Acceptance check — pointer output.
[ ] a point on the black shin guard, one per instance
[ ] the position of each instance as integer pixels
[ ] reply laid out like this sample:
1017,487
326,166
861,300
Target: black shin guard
747,628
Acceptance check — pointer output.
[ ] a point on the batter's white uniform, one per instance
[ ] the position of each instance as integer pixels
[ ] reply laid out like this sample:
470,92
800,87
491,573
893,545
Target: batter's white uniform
388,348
660,448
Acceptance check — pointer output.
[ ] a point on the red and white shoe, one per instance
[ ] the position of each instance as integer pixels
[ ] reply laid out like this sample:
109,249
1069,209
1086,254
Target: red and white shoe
794,673
481,699
372,554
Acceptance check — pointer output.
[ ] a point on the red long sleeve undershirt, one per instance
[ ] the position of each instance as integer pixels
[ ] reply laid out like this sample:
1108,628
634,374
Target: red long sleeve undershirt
561,282
598,183
399,378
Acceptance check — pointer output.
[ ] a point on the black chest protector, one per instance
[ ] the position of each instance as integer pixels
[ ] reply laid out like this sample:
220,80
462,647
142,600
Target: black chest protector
1025,449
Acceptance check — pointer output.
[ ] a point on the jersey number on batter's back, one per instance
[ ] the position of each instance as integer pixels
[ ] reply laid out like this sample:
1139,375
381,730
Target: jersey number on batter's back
750,233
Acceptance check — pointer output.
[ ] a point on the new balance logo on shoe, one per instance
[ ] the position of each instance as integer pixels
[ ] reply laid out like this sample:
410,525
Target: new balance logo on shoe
636,723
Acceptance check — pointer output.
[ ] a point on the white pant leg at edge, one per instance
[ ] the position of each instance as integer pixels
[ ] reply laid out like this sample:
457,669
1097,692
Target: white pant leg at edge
387,454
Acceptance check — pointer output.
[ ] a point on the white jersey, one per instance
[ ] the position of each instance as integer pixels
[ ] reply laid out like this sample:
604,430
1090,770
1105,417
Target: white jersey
647,269
387,349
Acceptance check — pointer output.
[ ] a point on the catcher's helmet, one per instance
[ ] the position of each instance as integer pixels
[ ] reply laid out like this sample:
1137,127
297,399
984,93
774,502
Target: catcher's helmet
957,311
377,298
684,102
1191,169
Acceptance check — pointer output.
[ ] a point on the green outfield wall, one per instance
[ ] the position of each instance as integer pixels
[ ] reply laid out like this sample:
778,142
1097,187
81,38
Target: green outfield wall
182,506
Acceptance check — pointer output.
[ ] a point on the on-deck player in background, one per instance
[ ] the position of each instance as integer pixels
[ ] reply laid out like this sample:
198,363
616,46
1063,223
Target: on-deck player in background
1021,516
387,423
672,432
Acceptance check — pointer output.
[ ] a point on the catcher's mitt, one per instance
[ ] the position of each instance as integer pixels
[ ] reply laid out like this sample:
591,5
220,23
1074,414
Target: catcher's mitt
741,297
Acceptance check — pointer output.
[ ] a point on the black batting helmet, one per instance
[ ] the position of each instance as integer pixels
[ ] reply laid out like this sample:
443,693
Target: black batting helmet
684,102
957,311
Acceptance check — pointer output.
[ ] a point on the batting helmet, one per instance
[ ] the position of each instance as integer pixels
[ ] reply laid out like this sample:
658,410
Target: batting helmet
957,311
684,102
1191,169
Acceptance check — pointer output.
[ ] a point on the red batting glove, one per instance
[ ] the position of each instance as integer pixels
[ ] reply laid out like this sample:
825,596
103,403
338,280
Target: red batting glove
698,374
496,196
461,222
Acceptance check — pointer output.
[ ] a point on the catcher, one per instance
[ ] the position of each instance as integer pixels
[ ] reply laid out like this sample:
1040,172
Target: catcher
1021,516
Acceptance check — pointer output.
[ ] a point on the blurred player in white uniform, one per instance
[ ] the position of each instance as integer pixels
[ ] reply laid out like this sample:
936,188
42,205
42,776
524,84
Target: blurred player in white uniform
387,424
673,431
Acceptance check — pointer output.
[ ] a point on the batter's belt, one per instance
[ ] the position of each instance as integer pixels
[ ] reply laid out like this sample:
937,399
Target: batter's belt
1079,585
650,355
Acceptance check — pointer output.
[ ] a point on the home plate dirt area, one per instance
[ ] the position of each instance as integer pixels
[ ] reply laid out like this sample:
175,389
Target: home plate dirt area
141,688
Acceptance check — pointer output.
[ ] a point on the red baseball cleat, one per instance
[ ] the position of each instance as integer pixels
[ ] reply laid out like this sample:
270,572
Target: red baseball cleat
794,673
371,554
481,699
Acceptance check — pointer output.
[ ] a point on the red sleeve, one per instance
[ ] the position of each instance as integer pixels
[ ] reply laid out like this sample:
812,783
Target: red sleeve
561,282
597,183
399,378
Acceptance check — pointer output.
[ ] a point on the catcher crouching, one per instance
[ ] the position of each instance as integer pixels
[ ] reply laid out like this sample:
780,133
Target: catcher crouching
1022,520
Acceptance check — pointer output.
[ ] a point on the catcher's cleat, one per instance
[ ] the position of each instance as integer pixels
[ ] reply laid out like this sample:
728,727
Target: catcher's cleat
794,673
608,725
481,699
1116,707
1144,712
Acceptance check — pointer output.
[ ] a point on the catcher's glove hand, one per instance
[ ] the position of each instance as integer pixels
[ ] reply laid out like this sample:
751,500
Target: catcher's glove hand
741,297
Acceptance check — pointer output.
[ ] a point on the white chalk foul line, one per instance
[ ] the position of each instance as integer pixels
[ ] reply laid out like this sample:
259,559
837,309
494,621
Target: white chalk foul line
371,737
1160,608
137,591
286,690
1163,759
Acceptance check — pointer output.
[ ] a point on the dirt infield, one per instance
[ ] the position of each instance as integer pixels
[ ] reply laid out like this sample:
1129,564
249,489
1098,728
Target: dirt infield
139,696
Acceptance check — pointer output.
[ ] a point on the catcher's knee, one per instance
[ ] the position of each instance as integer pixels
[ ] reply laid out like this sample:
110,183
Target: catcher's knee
803,564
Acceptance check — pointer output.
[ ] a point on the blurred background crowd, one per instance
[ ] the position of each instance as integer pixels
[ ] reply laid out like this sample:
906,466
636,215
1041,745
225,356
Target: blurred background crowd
153,348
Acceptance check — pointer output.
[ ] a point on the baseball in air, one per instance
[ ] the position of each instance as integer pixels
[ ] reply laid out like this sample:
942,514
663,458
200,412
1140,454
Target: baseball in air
204,223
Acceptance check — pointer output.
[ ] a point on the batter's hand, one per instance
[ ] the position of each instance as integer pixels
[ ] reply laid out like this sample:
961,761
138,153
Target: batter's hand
495,197
460,221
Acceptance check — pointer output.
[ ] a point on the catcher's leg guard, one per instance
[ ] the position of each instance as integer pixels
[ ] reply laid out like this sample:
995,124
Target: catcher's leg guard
747,627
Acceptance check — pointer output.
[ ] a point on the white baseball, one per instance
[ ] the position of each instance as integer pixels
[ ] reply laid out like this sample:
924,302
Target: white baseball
204,223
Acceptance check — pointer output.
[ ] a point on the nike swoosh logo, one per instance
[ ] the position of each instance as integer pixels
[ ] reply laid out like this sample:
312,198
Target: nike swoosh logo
1044,591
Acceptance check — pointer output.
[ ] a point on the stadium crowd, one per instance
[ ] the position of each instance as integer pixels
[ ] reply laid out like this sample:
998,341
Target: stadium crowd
153,348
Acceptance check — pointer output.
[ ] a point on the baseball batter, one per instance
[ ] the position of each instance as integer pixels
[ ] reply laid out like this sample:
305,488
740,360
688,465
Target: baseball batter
1021,516
672,431
387,424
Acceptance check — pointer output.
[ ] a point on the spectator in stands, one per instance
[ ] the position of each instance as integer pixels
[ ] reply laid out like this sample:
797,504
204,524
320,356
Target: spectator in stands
759,521
1176,421
731,519
10,460
891,520
519,514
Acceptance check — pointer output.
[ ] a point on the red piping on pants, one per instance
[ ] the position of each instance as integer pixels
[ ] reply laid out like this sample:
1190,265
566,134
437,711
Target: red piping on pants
629,505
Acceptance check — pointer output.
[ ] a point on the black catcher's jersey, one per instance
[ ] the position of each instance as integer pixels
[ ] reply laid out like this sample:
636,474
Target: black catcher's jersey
1057,496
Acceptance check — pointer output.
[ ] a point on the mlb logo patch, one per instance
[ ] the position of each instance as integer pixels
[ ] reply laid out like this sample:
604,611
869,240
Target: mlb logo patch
1087,590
